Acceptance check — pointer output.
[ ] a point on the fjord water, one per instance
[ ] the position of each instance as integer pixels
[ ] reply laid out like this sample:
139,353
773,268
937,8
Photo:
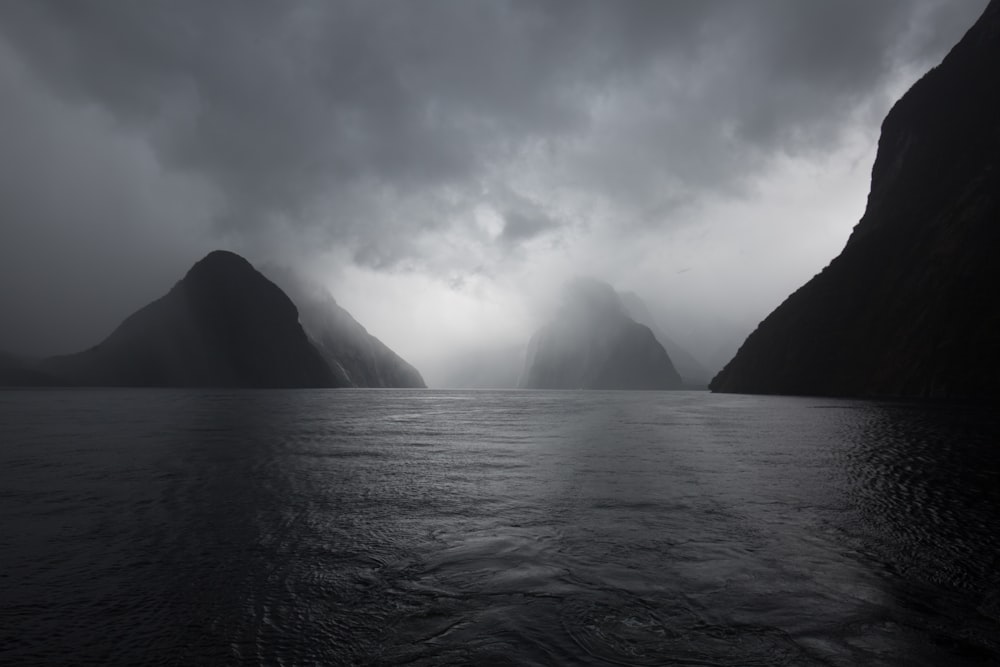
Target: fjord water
519,527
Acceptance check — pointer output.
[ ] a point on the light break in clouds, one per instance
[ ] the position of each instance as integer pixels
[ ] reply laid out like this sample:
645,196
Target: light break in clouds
442,165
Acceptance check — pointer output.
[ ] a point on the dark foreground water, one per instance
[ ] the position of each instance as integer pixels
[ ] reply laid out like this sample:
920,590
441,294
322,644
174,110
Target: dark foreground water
426,527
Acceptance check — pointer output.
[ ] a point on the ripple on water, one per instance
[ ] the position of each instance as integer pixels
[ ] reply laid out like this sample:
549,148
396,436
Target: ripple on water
527,528
631,632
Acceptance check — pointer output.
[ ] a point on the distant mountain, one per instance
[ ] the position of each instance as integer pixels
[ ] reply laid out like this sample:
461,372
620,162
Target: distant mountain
489,367
592,343
16,371
356,358
690,370
911,307
222,325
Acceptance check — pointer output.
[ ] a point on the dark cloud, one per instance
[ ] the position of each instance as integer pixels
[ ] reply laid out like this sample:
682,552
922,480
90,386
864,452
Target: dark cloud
519,227
91,226
387,128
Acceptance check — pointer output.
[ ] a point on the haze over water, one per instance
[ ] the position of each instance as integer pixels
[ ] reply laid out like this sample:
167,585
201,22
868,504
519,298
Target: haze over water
436,527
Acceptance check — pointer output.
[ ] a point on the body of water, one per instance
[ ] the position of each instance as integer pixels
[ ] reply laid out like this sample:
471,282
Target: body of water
518,527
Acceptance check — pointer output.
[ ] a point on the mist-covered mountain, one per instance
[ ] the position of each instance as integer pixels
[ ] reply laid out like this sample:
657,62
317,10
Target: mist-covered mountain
911,307
226,325
356,358
690,370
222,325
488,367
592,343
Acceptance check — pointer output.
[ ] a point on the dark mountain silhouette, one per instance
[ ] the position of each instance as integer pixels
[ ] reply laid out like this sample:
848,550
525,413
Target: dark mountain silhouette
356,358
20,372
691,371
592,343
910,307
222,325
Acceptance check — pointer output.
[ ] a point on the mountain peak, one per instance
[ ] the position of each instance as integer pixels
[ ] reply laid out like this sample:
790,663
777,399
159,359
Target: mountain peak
592,343
588,298
224,325
219,262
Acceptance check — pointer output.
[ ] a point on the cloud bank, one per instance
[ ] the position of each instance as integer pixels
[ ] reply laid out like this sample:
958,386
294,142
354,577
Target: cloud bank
710,155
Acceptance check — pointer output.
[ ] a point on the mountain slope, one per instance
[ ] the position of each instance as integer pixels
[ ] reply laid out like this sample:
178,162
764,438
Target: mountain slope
593,344
18,372
689,368
356,358
354,354
910,307
222,325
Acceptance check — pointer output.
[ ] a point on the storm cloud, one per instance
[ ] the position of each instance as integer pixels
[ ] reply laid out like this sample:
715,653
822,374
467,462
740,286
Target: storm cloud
469,145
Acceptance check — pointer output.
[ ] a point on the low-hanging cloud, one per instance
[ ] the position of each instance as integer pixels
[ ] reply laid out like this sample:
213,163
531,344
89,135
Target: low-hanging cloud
440,137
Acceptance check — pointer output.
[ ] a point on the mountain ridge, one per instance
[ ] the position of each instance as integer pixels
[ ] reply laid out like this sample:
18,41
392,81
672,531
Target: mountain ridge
356,357
908,307
223,324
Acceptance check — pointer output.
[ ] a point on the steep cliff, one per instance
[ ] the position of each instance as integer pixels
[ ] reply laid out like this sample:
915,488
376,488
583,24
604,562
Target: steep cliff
911,307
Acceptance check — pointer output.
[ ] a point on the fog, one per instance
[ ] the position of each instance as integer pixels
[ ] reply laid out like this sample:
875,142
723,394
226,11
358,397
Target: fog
442,168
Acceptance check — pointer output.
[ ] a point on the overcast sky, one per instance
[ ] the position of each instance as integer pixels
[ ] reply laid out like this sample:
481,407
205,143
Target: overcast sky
440,165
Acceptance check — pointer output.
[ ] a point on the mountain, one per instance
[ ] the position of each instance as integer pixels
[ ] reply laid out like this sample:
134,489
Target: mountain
486,367
593,344
222,325
911,307
19,372
690,370
356,358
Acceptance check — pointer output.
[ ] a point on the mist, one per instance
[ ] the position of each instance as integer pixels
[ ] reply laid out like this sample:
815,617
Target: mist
434,332
442,168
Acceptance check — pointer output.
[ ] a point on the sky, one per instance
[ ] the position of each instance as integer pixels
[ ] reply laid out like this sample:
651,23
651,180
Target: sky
441,167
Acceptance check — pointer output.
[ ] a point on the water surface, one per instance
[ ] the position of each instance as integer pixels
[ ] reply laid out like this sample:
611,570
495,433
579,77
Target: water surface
434,527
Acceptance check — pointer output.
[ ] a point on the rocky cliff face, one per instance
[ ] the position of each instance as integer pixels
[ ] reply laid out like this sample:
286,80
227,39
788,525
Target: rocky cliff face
593,344
911,307
222,325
